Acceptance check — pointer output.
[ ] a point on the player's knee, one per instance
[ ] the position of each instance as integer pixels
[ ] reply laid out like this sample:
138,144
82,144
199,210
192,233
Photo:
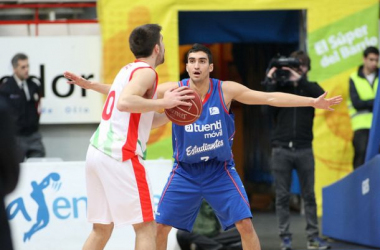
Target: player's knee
163,230
145,228
103,229
245,227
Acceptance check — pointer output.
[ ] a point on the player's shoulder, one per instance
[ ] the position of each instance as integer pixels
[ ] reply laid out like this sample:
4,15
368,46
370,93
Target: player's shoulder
229,85
143,73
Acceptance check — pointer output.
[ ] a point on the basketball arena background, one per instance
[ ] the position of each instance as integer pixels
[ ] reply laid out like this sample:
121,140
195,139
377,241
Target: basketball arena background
333,32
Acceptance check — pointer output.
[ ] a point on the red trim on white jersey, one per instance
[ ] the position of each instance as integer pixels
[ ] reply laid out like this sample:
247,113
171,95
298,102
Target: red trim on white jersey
129,147
143,188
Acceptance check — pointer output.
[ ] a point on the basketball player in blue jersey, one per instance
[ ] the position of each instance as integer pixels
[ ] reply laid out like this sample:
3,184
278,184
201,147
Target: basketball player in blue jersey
203,163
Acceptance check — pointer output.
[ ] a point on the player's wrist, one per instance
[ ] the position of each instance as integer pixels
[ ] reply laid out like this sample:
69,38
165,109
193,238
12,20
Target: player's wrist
91,84
161,104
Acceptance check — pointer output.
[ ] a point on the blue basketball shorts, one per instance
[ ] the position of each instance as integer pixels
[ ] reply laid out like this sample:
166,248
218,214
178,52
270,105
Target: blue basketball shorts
216,182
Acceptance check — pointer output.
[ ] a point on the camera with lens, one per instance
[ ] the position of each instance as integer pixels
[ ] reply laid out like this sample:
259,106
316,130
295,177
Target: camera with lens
282,76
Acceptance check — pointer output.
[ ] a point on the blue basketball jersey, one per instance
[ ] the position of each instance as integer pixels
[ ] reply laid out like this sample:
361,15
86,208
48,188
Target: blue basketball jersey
211,136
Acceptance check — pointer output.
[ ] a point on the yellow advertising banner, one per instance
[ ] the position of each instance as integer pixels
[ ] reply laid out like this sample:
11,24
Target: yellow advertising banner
337,32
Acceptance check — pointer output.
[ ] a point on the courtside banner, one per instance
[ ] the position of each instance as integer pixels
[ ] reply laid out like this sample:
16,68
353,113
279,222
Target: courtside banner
48,208
49,57
336,51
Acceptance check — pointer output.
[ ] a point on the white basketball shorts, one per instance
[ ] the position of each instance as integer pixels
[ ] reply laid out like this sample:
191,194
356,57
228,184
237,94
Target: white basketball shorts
118,192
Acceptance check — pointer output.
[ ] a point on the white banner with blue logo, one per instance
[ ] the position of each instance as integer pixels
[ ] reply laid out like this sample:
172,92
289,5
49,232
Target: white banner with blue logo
48,208
48,58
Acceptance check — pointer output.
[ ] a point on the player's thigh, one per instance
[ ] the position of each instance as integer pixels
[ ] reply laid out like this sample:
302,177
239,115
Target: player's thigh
180,201
97,203
128,191
227,196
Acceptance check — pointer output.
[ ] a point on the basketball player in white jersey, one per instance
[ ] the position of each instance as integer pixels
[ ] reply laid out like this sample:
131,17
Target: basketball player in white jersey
178,208
118,187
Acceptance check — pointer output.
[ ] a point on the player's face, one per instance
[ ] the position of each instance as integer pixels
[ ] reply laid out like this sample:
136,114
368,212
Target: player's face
198,66
161,54
22,69
371,62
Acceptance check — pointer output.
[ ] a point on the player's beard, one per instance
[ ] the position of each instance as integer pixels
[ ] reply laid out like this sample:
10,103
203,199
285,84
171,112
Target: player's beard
161,57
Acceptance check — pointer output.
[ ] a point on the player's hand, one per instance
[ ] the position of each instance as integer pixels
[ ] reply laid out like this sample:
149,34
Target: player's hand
178,96
77,80
322,103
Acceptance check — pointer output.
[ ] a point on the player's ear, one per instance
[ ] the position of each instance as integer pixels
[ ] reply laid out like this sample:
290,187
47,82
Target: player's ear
211,67
157,48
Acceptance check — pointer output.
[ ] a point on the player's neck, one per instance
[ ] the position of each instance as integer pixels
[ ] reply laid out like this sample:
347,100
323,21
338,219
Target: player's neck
150,61
200,86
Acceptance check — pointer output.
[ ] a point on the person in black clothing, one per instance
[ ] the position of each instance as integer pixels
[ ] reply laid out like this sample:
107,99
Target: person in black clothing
292,149
207,234
23,96
363,87
9,170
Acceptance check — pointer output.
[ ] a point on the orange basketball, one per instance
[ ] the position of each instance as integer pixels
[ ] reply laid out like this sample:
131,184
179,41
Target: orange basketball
184,115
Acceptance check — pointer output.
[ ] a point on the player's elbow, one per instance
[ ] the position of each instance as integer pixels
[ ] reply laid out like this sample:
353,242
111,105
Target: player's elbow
124,106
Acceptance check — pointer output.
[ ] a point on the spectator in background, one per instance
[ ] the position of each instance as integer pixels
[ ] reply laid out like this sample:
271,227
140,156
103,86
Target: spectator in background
292,149
23,97
363,87
207,234
9,171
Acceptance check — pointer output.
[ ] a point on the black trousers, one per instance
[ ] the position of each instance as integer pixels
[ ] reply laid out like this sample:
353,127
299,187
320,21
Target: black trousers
283,162
5,233
360,142
229,239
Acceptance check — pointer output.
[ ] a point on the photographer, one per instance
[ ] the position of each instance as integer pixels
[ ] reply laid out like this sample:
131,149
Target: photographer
292,145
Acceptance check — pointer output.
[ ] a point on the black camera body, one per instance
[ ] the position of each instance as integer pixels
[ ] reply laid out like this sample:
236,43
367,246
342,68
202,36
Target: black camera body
282,76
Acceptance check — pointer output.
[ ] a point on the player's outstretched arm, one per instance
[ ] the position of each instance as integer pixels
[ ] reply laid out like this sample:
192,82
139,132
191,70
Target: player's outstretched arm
240,93
86,84
134,97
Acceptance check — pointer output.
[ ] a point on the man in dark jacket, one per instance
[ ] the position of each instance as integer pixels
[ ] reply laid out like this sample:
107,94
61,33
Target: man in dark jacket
9,170
363,87
23,96
292,149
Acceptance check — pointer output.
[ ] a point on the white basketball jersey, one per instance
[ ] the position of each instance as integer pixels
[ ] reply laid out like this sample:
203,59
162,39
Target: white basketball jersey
122,135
